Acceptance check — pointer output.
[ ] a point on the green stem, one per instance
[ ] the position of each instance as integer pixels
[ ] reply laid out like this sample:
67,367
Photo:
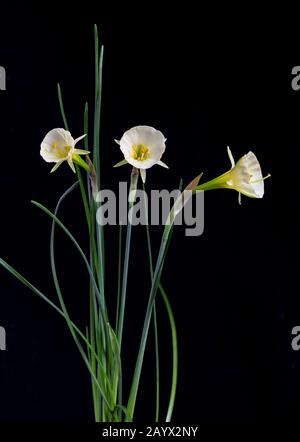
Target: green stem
80,162
175,353
61,106
171,320
62,303
156,278
82,188
96,335
24,281
157,369
133,187
84,197
96,151
216,183
92,359
68,233
140,358
119,275
89,212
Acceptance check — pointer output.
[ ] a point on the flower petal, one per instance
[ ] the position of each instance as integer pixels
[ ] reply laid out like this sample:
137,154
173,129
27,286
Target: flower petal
240,198
230,157
81,151
71,164
146,164
143,175
56,145
148,136
121,163
59,136
162,164
49,157
79,138
56,166
248,167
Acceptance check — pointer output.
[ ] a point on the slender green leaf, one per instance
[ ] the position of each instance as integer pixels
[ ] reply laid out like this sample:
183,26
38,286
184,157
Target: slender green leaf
61,105
133,187
156,341
24,281
68,233
175,353
119,275
64,309
156,278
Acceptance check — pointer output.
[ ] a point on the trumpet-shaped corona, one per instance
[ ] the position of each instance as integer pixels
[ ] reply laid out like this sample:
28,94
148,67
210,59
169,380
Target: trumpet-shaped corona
245,176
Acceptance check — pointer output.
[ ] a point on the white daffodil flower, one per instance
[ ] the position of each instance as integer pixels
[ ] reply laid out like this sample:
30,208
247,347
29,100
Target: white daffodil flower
143,147
59,146
245,176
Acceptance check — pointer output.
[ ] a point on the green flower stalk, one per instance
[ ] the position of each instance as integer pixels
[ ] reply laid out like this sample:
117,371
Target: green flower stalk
245,176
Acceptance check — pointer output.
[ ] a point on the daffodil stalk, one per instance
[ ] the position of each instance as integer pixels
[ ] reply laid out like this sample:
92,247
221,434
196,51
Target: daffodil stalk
131,200
121,311
178,205
173,333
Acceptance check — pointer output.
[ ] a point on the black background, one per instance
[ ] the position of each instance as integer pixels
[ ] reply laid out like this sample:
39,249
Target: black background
205,83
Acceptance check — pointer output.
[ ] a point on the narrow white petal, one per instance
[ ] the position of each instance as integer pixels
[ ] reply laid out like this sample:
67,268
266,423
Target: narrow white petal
81,151
143,175
117,141
56,166
240,198
121,163
79,138
162,164
230,157
71,164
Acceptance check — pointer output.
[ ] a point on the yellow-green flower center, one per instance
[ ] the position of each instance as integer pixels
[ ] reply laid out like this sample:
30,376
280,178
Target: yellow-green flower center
61,151
140,152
